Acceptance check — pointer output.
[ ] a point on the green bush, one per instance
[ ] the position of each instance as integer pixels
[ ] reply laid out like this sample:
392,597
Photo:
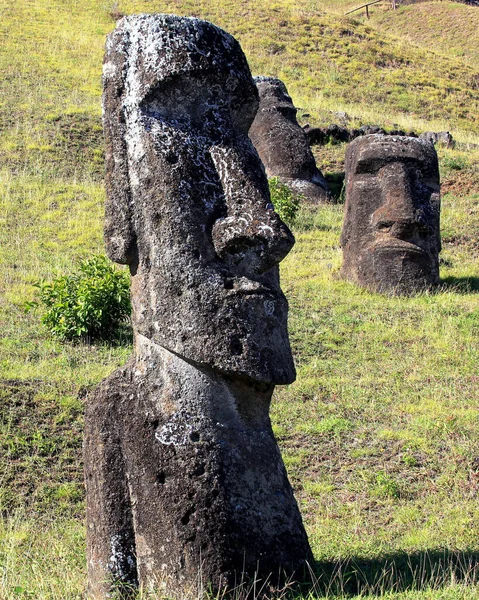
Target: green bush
88,305
286,202
455,163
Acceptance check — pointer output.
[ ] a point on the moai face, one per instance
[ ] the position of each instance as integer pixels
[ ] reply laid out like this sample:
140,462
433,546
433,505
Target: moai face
188,204
391,238
282,143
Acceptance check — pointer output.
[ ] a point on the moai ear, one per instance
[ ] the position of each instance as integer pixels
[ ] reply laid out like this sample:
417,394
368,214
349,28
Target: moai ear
120,238
347,217
346,229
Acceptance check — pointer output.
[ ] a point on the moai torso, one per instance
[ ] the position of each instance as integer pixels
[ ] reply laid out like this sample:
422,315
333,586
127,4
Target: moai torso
185,482
282,144
390,238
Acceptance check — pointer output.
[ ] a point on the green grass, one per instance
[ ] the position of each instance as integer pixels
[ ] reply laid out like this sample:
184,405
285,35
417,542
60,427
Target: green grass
383,413
380,432
451,29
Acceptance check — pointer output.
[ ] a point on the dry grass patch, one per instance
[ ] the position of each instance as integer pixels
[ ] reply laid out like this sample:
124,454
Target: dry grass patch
448,28
380,431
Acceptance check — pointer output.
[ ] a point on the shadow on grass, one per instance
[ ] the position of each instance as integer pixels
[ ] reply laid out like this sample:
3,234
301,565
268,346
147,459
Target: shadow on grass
401,572
122,336
336,185
342,579
461,285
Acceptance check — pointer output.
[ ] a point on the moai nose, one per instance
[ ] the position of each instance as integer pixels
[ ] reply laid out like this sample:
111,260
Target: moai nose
397,213
252,236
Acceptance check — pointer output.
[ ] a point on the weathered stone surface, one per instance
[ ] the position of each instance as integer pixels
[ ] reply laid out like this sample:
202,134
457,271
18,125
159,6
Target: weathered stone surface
442,138
282,144
316,136
391,238
371,129
338,133
185,482
400,132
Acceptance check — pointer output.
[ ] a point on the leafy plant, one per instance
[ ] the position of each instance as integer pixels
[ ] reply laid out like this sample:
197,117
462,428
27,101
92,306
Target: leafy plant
87,305
286,202
386,486
455,163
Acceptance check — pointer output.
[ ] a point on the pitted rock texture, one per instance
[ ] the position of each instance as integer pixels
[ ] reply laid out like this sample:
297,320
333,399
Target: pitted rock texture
338,133
391,237
441,138
188,205
185,483
282,143
208,499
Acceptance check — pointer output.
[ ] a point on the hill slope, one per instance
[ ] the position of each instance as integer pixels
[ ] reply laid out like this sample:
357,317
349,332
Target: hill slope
380,432
51,59
450,28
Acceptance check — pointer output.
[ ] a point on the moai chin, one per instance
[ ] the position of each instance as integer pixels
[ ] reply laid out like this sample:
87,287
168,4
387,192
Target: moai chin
390,238
185,483
282,144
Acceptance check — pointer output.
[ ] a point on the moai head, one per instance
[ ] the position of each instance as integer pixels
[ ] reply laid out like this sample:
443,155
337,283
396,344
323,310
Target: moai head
188,205
390,238
282,143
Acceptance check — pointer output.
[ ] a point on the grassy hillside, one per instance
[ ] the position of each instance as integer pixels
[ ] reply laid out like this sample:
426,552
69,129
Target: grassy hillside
380,432
451,29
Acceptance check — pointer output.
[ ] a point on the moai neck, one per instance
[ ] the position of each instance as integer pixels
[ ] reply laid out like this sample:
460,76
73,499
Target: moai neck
195,394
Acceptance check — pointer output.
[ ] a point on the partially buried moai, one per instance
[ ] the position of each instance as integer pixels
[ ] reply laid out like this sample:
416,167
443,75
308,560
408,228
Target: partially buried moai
390,238
283,145
185,482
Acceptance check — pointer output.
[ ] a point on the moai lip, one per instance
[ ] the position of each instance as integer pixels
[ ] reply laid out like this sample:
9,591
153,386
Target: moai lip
391,237
282,144
186,487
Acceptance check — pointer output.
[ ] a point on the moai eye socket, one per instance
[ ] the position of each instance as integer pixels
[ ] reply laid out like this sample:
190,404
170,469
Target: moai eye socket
192,102
384,226
178,101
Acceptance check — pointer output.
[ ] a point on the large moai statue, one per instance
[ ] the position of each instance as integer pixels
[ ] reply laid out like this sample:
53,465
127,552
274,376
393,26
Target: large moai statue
282,144
185,482
390,238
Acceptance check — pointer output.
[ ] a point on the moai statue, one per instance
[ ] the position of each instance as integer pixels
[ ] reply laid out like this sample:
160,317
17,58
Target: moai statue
282,144
390,237
185,482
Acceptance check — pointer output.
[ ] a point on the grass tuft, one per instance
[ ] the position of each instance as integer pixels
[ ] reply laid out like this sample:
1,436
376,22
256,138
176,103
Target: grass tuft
379,432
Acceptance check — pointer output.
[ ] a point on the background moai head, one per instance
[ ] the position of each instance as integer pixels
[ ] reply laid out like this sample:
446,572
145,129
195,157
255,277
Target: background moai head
281,142
391,238
188,205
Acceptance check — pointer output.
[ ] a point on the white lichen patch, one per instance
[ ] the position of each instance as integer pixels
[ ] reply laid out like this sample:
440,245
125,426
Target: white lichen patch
121,563
109,69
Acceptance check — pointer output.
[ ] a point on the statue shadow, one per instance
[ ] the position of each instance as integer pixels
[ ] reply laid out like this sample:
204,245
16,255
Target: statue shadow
336,185
354,577
461,285
399,572
120,336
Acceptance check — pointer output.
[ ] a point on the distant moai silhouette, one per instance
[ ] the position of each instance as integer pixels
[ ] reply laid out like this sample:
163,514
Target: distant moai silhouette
282,144
186,487
391,238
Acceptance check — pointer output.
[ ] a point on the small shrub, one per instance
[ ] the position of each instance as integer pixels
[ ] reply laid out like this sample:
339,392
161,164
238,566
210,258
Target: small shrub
386,486
455,163
89,305
286,203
